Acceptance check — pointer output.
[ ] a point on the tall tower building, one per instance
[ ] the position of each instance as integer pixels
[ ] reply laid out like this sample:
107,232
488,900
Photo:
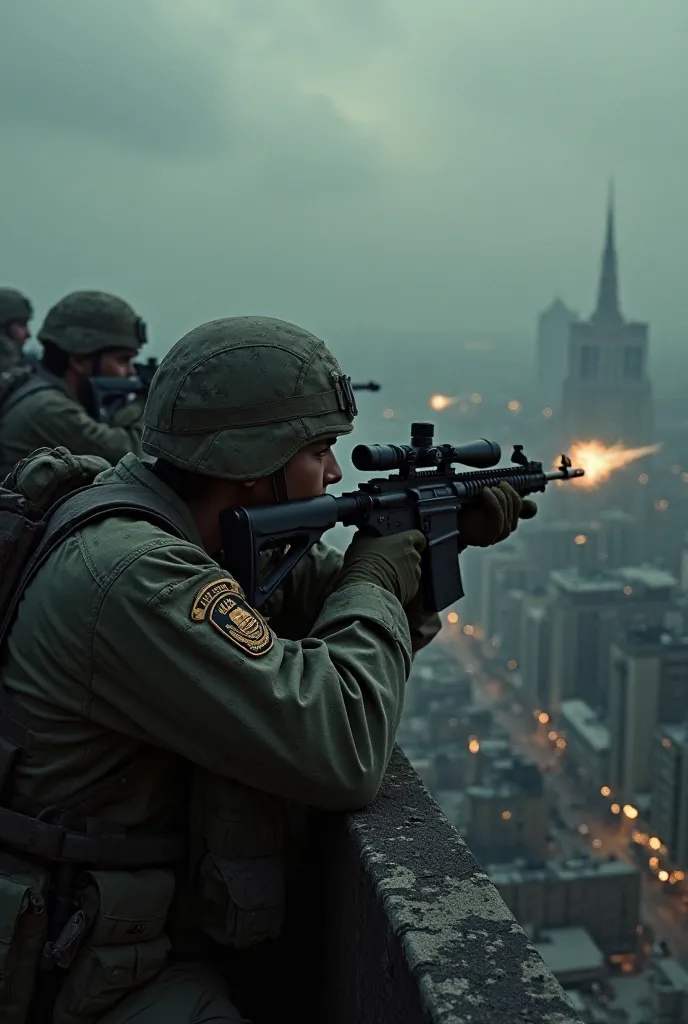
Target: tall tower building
607,395
552,350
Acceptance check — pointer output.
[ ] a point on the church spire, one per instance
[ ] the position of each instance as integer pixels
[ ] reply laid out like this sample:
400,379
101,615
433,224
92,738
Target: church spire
608,310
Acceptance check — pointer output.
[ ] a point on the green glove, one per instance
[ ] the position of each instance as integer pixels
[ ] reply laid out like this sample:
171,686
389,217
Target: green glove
392,563
495,517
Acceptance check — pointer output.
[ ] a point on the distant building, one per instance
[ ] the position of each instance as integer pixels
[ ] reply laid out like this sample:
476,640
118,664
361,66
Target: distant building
607,393
534,666
587,614
502,571
648,689
669,989
552,350
588,544
571,955
507,818
588,742
514,581
601,896
669,807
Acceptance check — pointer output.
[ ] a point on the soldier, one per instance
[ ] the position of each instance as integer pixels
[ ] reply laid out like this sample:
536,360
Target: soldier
85,334
15,313
151,694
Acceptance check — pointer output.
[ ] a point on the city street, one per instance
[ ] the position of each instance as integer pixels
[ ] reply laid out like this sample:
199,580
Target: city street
604,836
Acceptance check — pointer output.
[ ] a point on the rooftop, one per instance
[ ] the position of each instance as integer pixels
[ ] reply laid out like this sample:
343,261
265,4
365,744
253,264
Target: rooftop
645,635
570,581
678,734
613,581
671,973
569,951
648,576
518,872
501,791
580,717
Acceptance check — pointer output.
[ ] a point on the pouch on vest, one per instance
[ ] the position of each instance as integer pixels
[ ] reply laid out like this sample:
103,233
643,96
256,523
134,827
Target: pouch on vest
115,941
240,873
22,934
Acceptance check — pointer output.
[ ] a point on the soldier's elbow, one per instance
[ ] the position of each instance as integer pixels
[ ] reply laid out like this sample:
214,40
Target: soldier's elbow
352,790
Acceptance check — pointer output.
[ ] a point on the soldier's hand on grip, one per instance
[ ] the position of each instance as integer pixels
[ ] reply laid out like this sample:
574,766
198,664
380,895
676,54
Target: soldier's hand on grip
495,517
390,562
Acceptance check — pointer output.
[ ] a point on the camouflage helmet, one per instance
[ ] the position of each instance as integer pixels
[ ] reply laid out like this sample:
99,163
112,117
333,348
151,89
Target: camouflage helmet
86,322
236,398
14,306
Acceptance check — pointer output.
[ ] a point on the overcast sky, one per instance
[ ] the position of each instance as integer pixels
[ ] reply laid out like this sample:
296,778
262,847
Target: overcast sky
435,167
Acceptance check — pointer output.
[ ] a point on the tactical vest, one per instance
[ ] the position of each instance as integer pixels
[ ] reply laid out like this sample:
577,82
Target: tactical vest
84,902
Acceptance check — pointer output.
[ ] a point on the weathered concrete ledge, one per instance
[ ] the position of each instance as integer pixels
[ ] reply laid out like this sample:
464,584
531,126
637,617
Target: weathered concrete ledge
411,929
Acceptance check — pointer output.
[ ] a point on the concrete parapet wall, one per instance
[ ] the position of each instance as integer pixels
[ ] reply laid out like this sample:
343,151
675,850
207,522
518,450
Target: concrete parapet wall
411,930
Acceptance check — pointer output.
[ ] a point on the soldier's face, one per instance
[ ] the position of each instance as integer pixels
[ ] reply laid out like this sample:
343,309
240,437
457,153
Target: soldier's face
19,332
312,470
308,475
118,362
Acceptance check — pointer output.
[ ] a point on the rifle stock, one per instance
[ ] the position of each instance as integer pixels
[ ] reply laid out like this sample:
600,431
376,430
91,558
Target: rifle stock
416,497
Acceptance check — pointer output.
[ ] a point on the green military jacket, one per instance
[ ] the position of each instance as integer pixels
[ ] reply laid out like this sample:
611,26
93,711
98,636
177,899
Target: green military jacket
53,417
119,647
151,683
9,353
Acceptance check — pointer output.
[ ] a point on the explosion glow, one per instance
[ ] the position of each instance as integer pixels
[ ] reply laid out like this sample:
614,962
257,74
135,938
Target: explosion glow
440,402
600,461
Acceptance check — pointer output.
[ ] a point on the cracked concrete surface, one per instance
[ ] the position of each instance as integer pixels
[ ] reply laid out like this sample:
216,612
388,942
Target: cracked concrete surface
460,946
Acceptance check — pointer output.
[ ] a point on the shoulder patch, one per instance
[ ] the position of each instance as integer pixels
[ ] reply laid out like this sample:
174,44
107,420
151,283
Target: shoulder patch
223,605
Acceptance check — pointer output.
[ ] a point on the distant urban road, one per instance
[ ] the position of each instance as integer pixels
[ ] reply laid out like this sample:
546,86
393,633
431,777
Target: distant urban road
661,907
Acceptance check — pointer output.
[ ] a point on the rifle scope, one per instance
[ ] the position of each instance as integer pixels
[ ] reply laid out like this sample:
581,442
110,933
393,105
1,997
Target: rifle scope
422,453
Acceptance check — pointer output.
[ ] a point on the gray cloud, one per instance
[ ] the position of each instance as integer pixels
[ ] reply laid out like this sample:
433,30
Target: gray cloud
379,166
113,70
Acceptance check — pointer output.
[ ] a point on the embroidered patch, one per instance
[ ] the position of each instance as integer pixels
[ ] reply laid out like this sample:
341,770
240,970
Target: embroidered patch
223,604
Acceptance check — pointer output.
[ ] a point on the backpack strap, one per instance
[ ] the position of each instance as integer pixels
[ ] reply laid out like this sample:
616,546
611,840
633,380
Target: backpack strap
39,837
81,508
24,388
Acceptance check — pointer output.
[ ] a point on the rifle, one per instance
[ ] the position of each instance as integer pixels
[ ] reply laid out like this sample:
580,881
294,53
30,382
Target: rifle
110,394
426,493
372,385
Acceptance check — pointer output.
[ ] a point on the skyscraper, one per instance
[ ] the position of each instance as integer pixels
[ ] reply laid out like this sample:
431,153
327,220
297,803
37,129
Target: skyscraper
552,350
607,395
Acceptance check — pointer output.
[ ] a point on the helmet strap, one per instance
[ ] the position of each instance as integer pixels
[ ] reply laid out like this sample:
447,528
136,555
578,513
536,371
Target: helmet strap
279,485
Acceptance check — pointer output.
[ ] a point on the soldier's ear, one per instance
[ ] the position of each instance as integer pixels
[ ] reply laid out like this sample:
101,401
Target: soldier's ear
81,365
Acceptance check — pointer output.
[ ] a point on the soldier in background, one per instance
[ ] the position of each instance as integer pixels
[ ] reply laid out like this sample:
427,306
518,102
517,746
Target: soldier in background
86,334
15,313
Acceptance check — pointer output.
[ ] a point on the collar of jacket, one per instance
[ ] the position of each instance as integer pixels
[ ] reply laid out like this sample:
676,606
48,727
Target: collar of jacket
132,470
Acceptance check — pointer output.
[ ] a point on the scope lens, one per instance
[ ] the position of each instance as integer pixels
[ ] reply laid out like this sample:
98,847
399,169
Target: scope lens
378,457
